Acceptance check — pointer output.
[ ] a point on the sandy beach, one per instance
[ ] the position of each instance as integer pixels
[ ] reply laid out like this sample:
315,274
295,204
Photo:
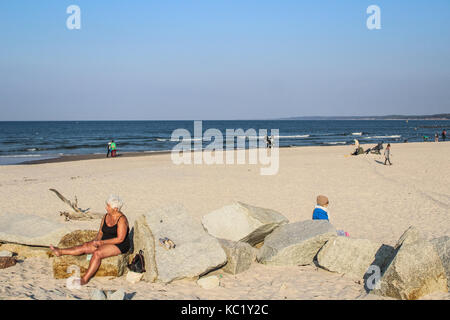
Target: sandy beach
367,199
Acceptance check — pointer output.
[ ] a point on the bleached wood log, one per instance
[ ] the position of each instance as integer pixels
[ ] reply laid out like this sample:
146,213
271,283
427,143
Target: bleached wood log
78,213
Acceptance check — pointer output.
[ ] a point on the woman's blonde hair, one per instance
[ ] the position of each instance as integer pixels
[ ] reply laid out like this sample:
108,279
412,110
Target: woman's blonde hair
114,202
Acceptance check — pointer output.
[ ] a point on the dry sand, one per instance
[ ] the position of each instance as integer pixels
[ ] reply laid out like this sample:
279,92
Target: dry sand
367,199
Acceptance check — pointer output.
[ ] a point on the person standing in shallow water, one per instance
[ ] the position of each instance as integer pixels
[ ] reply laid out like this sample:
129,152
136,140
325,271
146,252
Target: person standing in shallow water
112,239
387,154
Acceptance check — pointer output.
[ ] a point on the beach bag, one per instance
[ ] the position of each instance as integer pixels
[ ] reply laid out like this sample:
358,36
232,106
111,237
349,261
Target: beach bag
138,264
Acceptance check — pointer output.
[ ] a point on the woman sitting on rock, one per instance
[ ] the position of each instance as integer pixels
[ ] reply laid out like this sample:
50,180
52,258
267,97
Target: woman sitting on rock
112,239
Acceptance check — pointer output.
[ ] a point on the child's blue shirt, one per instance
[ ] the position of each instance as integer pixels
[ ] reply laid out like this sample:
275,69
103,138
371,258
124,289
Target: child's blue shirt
320,213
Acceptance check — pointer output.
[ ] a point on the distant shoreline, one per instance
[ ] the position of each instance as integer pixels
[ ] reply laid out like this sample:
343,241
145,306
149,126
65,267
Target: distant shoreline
79,157
445,117
436,117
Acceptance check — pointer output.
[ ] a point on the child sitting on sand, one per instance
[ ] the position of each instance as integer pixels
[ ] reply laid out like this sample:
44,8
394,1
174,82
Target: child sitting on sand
321,209
320,212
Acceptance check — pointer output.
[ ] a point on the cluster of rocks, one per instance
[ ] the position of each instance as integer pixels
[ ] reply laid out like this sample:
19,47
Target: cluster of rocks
413,268
233,237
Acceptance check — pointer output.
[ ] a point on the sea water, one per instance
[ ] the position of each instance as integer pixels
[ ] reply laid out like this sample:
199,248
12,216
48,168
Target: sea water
34,140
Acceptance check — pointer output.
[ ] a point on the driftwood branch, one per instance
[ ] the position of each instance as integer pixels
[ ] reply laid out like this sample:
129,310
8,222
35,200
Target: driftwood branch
78,213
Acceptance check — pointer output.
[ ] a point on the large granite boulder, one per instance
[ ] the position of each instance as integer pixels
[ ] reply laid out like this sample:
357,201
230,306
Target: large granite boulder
352,257
415,271
411,235
240,256
242,222
63,265
196,252
35,230
296,243
442,246
77,238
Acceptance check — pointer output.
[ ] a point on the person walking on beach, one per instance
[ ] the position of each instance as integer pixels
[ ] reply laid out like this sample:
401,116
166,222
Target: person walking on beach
112,239
387,154
113,148
108,149
271,139
268,141
444,134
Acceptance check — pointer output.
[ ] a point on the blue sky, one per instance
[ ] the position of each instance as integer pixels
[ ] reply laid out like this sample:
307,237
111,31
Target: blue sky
222,59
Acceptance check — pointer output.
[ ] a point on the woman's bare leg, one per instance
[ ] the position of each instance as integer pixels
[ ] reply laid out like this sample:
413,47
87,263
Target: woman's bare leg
87,247
105,251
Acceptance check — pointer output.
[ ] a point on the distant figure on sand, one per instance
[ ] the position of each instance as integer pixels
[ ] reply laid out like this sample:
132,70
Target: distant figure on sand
108,149
113,148
436,138
271,139
387,154
444,134
358,150
268,141
112,239
320,212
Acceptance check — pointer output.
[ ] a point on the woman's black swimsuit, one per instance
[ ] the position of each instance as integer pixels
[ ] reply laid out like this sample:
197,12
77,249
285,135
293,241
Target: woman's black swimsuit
111,233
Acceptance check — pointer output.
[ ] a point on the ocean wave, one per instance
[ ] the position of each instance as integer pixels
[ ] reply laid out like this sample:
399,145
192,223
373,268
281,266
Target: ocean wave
294,136
336,142
188,139
381,137
69,147
357,134
21,156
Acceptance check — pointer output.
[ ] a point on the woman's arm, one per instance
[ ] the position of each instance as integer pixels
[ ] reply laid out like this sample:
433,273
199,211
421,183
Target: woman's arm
100,232
121,232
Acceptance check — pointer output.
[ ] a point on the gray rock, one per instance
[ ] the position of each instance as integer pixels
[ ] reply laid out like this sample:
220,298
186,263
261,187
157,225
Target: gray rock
411,235
196,252
415,271
296,243
97,294
240,256
442,246
115,295
5,253
352,257
35,230
242,222
144,240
